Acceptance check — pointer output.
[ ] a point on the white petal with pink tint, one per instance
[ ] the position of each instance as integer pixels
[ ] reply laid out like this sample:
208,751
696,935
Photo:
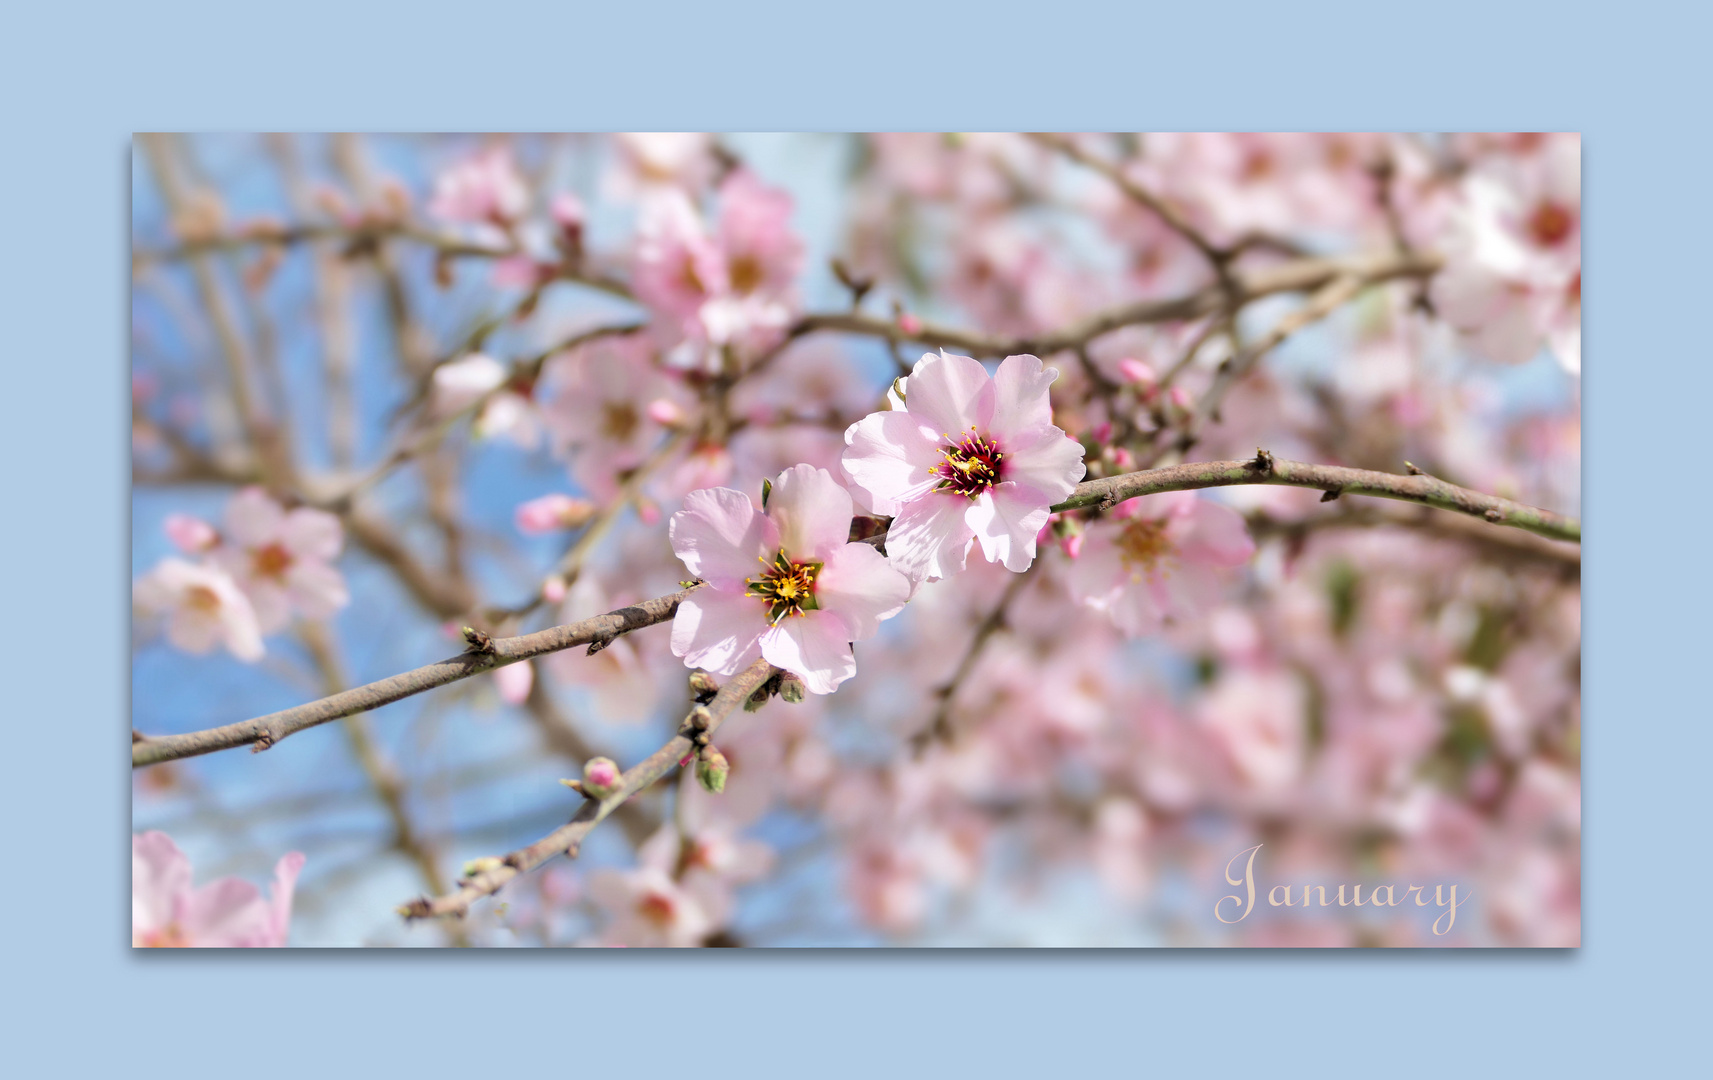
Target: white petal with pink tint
1046,460
253,519
860,586
812,511
950,393
816,646
930,536
312,534
719,535
1021,401
1006,520
890,459
718,630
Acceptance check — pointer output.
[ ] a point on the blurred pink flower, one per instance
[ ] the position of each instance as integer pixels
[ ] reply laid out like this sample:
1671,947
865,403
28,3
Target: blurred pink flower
1513,274
191,535
647,909
283,560
551,513
1167,558
166,912
483,189
813,596
1258,718
970,456
203,607
514,682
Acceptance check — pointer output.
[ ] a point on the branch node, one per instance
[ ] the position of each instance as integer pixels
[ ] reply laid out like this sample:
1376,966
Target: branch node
475,641
1263,462
600,643
1411,468
1494,516
1331,494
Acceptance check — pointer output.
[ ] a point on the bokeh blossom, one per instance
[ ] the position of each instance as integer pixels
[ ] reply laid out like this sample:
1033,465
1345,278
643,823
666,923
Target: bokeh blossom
167,911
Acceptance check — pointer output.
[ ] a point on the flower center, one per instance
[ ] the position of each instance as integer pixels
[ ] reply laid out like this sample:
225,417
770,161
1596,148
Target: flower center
1143,543
171,937
657,908
746,274
971,464
618,420
271,561
202,598
1550,224
788,588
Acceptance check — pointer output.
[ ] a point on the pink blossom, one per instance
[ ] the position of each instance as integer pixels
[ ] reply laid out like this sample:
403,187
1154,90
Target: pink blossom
203,608
647,909
514,682
283,560
1513,274
193,536
970,456
551,513
484,189
1167,558
167,912
1257,717
595,408
1135,371
813,595
650,161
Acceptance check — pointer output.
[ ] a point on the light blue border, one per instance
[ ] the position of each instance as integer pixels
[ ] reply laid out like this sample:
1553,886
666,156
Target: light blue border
79,1003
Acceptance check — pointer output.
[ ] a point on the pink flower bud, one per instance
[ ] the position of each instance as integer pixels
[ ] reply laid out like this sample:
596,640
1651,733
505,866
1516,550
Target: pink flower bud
551,513
1122,457
567,211
514,682
1102,431
1072,545
648,512
601,777
553,589
910,324
1133,370
193,536
1180,397
665,412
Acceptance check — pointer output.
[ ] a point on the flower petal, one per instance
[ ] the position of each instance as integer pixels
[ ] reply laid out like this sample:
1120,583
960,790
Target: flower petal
311,533
1219,536
228,913
888,459
812,511
719,534
1047,460
717,630
860,586
253,519
951,393
160,874
1006,519
1021,402
279,898
930,538
816,646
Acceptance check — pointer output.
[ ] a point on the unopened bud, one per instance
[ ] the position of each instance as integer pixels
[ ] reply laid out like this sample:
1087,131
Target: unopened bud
601,777
483,865
700,718
791,689
1132,370
712,768
665,412
703,683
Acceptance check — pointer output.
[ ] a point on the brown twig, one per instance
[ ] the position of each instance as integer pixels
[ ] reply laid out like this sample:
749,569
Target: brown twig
568,838
265,731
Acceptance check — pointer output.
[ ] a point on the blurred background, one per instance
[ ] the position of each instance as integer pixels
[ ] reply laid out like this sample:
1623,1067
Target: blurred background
386,386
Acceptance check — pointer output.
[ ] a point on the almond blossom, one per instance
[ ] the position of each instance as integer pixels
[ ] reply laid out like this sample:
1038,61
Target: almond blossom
483,189
1513,273
1158,558
283,560
811,597
202,607
167,912
970,456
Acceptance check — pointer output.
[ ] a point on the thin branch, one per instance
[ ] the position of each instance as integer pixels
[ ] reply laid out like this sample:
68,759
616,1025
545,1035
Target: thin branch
265,731
568,838
1332,479
940,727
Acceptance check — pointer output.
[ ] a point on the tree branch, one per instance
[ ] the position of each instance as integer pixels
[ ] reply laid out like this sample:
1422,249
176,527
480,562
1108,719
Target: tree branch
264,731
568,838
